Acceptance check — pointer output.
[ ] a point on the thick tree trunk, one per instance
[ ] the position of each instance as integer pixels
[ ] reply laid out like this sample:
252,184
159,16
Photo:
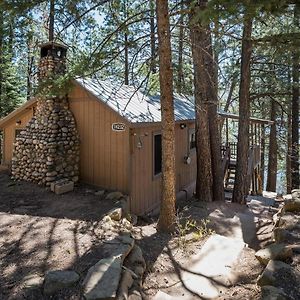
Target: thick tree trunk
51,20
180,76
1,58
241,187
272,164
295,109
167,210
152,37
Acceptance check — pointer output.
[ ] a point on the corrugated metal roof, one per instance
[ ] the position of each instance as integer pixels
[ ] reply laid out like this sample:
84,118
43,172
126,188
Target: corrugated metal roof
133,105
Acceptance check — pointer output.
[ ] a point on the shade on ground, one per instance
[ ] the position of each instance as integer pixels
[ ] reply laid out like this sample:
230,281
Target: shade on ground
209,271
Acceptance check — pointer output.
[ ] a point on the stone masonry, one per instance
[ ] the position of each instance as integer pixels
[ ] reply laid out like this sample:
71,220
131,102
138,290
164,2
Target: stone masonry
47,149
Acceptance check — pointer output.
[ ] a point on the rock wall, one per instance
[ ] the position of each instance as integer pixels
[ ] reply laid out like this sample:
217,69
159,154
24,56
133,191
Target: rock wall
48,148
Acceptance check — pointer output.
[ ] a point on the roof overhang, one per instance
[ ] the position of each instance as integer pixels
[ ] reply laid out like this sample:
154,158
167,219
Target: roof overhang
16,112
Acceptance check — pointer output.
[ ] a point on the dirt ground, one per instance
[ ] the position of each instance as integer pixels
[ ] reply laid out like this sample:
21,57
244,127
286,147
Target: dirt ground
41,231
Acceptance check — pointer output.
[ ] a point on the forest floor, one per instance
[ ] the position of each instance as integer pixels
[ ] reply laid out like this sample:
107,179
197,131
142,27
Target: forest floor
41,231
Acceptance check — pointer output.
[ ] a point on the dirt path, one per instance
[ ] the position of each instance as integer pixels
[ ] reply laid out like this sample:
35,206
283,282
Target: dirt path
170,267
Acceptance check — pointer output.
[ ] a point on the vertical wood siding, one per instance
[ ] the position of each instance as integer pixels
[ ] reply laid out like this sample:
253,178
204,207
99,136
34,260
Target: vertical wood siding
145,188
104,154
9,133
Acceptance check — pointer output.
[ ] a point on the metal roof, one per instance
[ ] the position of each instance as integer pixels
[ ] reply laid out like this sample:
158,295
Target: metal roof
132,104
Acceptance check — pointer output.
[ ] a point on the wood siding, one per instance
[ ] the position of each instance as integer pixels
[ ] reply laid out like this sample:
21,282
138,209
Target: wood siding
9,134
104,154
145,187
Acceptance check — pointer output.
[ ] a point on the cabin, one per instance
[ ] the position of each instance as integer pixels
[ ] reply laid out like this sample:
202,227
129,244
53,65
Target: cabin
120,141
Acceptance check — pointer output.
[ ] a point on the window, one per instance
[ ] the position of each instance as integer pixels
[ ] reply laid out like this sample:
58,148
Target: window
157,154
192,139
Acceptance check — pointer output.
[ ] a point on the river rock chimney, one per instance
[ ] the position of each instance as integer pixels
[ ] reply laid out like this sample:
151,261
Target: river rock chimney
47,149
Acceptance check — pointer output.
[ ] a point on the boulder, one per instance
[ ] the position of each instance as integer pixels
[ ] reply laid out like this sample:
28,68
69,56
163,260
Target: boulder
102,280
290,221
113,196
115,214
293,205
135,258
57,280
269,292
268,276
274,252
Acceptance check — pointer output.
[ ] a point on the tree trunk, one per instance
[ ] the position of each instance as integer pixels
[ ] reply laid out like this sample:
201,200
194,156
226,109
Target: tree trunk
152,37
180,76
126,73
1,58
272,164
51,20
203,145
288,153
167,210
241,187
295,109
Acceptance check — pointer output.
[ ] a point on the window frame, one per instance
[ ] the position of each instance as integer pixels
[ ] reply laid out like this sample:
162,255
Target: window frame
191,132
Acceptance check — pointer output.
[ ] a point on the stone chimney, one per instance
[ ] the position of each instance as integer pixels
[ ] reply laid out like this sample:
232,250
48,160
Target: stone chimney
47,149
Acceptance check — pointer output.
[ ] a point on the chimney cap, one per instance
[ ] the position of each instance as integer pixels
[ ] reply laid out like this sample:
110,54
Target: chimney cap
53,44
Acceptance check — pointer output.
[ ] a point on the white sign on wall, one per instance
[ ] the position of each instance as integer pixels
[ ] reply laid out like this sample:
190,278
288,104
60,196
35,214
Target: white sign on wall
118,126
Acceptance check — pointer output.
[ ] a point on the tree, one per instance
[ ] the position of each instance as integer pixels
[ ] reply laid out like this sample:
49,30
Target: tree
295,108
209,175
272,164
241,186
167,211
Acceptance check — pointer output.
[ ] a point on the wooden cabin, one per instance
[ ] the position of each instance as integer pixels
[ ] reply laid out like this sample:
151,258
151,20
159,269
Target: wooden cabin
120,140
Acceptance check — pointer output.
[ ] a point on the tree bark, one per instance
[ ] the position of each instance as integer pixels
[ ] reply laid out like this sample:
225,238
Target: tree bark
51,20
295,109
152,37
241,187
126,73
272,164
180,76
204,179
167,210
288,153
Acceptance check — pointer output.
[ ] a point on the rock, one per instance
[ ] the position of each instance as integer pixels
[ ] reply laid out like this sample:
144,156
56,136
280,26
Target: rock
32,281
125,284
280,234
289,221
293,205
115,214
136,257
99,193
272,293
102,280
268,275
113,196
57,280
274,252
135,295
126,224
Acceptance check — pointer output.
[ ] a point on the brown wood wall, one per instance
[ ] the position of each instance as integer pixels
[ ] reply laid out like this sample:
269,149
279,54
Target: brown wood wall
9,133
104,154
145,188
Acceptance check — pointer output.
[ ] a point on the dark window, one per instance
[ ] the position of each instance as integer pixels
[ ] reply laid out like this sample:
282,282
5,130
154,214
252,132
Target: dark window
157,154
192,139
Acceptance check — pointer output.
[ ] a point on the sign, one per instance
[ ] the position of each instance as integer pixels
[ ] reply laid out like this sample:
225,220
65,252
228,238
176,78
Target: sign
118,126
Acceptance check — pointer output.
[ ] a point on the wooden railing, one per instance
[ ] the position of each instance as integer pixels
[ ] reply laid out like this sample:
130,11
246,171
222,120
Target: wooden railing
226,154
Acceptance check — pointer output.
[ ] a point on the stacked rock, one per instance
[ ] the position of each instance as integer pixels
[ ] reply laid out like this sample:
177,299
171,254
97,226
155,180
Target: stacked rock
47,149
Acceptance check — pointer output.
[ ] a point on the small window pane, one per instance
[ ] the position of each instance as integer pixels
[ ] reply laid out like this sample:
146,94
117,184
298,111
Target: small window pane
157,154
192,139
